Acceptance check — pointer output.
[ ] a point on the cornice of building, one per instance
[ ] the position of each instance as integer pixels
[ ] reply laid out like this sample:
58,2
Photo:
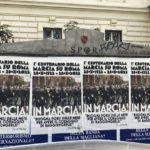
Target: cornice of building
58,5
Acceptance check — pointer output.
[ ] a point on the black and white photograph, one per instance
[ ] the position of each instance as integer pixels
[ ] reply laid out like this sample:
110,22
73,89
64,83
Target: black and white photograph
14,94
105,89
14,91
140,89
53,91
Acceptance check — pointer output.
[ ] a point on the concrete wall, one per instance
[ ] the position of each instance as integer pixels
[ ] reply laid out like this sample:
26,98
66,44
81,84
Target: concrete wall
28,18
73,45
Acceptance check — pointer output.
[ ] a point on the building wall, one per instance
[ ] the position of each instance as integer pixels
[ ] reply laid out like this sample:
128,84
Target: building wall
101,79
10,80
51,82
140,80
28,18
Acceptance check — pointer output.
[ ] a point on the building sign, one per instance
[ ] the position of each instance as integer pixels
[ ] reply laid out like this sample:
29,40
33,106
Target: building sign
58,99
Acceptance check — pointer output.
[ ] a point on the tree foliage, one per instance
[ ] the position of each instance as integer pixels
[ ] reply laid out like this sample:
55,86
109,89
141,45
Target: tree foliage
71,83
19,81
74,25
119,81
5,34
71,25
97,29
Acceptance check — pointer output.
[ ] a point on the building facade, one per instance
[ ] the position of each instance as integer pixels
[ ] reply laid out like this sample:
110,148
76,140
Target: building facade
11,80
140,80
51,82
102,80
121,20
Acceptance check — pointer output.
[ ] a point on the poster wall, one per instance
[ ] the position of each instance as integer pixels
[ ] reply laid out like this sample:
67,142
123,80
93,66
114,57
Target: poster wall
60,99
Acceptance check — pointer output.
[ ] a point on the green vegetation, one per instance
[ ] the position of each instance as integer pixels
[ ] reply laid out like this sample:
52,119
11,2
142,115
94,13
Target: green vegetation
74,25
5,34
71,25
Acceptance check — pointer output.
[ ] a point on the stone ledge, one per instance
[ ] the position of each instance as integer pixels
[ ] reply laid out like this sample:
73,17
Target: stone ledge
70,5
82,42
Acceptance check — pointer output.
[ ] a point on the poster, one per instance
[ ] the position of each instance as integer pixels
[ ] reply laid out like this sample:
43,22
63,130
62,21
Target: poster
60,99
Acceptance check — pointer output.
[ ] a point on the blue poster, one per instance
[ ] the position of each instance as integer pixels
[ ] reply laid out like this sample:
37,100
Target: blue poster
135,135
21,139
86,135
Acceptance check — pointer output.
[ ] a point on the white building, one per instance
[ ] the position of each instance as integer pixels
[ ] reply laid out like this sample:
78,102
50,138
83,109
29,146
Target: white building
125,20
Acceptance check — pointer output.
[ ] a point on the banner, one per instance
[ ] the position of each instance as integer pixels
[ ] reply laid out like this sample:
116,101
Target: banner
58,99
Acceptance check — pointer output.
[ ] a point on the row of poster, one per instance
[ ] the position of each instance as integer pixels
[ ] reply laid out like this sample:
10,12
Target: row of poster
58,99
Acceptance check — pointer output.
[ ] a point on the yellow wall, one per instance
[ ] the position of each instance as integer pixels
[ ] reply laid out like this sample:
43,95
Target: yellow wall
28,18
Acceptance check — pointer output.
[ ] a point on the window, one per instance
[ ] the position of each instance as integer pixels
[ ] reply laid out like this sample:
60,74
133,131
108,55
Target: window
52,33
113,35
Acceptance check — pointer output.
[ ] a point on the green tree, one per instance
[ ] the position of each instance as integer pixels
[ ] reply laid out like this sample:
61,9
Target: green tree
119,81
19,81
71,25
97,29
5,34
71,83
74,25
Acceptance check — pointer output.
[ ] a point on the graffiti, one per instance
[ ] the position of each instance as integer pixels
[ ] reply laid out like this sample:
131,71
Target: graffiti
118,46
112,45
108,46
